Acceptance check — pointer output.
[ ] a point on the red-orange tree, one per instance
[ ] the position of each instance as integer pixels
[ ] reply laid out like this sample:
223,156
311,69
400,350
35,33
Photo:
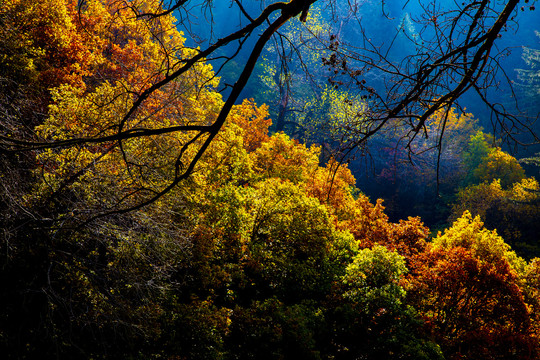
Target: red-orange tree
467,288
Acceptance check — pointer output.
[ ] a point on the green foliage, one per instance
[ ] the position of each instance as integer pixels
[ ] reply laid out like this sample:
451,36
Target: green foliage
284,63
374,309
373,278
290,71
477,152
484,163
333,117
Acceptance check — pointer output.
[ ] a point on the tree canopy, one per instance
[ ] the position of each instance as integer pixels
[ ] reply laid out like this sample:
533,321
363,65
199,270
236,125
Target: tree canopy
147,211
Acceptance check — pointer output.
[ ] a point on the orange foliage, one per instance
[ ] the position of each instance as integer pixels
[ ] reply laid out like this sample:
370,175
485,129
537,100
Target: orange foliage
531,289
53,29
254,121
409,238
332,185
367,222
468,289
473,309
370,226
98,41
286,159
128,55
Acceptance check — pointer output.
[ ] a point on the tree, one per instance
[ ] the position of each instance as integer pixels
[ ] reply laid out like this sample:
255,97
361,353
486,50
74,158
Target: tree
331,118
529,79
374,310
467,288
135,99
415,91
513,212
290,68
256,241
407,92
531,291
500,165
474,309
477,151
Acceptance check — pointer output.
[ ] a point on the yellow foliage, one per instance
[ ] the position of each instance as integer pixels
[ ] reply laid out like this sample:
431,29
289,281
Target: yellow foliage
253,121
457,126
514,211
134,54
332,185
527,190
285,158
531,290
335,115
486,245
500,165
226,160
478,198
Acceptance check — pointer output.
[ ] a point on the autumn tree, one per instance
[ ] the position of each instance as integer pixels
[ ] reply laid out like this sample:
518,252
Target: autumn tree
413,100
531,291
146,216
486,163
468,290
513,212
290,69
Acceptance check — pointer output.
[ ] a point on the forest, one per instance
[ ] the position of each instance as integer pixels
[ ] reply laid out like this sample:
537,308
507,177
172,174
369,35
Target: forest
253,179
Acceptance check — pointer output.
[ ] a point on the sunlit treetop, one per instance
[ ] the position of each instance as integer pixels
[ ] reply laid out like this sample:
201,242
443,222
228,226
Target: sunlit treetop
469,233
373,277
